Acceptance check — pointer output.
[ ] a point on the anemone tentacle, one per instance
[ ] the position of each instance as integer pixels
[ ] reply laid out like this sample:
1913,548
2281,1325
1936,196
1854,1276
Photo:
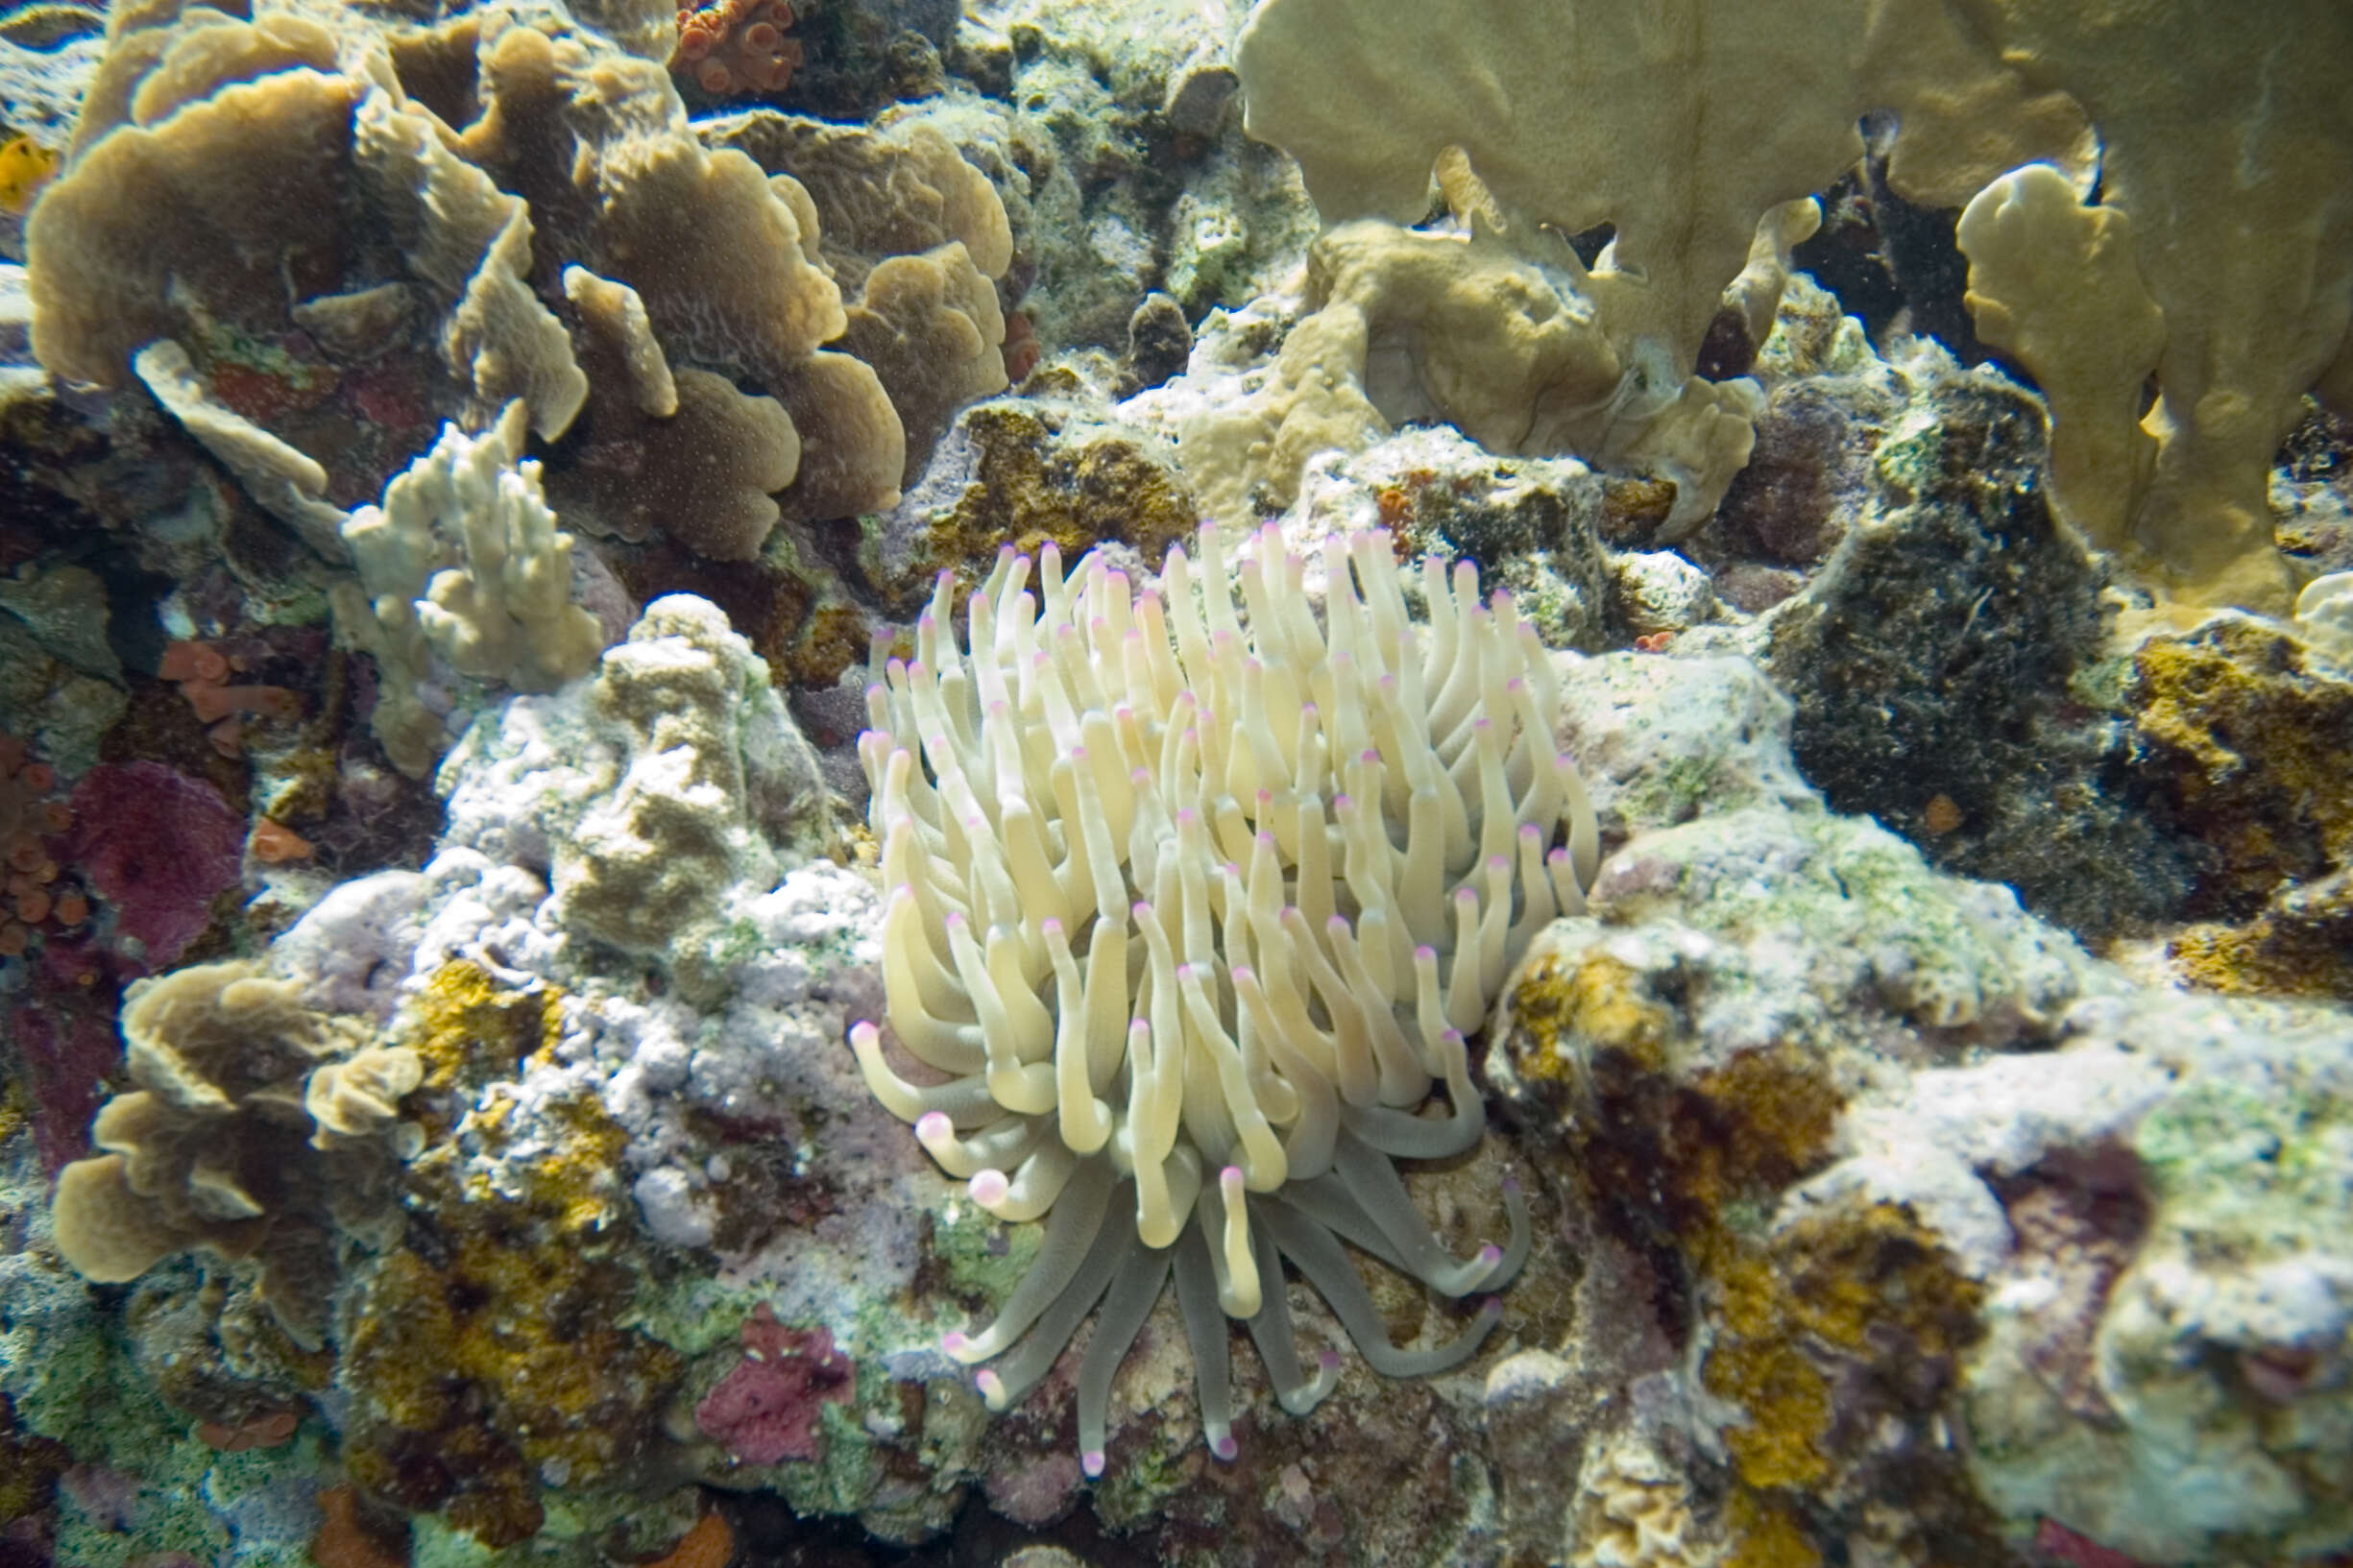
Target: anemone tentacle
1193,909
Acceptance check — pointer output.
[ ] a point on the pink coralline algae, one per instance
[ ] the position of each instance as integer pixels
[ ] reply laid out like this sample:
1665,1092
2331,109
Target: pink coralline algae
67,1049
159,847
765,1410
2055,1540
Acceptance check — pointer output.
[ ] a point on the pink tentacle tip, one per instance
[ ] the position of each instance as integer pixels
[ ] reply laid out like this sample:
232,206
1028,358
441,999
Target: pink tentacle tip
1425,951
1230,1178
1050,927
1491,1254
933,1125
956,1341
1225,1447
1329,1361
990,1385
989,1187
1091,1462
1491,1307
1512,1186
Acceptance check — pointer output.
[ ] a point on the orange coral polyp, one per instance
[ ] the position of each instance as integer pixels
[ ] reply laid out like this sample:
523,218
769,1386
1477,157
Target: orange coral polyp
274,843
192,662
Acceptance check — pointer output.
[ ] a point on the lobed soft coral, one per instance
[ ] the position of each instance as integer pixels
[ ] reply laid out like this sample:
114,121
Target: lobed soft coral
1192,918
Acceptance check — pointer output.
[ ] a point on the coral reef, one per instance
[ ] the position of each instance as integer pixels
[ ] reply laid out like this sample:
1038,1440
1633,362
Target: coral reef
465,983
446,261
1024,473
156,848
2240,731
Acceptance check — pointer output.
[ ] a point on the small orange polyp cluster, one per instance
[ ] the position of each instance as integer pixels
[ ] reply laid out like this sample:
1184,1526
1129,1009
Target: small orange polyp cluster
737,46
201,674
28,894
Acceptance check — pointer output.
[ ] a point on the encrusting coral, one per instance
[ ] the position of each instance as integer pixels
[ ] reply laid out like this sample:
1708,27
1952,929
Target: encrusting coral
258,1128
1192,918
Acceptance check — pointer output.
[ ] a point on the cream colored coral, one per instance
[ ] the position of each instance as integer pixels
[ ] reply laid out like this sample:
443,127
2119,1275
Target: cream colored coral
1679,123
463,563
173,213
471,244
356,1100
1509,348
2055,283
2227,137
931,326
709,770
1634,1511
693,456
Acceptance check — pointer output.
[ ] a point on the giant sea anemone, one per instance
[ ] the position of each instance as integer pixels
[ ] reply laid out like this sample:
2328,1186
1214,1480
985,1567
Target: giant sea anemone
1189,916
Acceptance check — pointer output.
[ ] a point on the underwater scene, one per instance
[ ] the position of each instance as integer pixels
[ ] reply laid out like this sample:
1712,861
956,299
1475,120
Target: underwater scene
1098,784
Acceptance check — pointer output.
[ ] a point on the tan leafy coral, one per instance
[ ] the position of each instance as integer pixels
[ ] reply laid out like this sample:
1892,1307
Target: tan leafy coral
1679,124
335,194
681,451
257,1129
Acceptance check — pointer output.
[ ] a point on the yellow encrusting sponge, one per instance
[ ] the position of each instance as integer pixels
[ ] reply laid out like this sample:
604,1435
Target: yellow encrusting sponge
1188,917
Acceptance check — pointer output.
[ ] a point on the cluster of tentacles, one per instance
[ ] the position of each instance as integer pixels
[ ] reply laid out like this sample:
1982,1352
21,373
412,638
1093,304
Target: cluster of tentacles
1188,918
